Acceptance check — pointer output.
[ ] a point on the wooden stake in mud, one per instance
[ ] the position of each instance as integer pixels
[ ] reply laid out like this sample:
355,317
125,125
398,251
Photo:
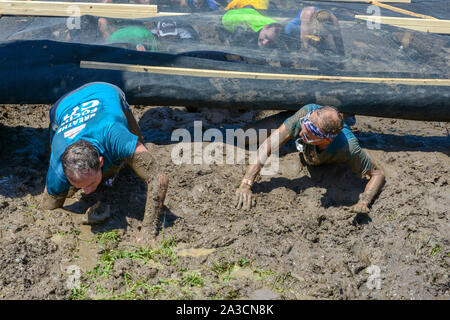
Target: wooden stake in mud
258,76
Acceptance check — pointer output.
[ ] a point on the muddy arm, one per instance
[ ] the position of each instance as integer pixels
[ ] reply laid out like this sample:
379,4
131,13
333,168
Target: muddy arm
305,18
337,36
244,196
50,202
146,168
377,178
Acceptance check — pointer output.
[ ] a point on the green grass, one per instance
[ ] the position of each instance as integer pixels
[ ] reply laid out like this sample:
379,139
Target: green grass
79,293
144,254
107,238
188,285
390,217
167,250
192,279
436,249
223,267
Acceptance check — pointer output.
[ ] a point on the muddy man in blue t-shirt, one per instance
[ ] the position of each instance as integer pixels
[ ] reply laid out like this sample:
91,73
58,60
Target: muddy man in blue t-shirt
92,134
322,137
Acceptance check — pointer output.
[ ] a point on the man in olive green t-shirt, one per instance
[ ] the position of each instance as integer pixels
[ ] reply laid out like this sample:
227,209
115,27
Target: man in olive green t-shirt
322,137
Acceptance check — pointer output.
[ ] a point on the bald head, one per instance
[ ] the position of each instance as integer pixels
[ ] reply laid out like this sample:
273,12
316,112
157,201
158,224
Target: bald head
328,119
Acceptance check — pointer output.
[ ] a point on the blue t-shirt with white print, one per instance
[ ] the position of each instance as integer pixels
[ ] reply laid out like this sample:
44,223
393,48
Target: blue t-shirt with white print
93,112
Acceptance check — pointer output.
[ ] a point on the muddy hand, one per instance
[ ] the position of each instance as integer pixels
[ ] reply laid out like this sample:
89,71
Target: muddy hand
360,207
245,198
96,214
145,238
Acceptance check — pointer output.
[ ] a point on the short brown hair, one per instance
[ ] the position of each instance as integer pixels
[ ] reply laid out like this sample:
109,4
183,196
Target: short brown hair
79,158
329,120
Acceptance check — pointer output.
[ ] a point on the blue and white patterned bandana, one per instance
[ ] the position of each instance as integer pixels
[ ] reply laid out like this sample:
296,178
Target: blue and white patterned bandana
314,130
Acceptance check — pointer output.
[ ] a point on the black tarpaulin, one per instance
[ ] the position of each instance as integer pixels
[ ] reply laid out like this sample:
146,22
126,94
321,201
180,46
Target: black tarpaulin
379,70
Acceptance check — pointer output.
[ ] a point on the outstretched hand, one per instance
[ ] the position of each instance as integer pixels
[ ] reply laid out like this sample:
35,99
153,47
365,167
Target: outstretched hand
360,207
245,198
146,238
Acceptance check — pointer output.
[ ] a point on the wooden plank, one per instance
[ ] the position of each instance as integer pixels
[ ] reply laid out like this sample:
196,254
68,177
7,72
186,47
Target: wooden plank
258,76
81,5
399,10
111,15
424,25
111,10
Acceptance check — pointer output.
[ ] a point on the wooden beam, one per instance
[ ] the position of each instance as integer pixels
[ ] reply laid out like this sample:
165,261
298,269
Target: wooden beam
257,76
64,9
399,10
424,25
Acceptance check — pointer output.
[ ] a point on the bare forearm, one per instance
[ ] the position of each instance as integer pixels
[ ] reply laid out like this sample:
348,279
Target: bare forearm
146,168
272,143
250,175
373,186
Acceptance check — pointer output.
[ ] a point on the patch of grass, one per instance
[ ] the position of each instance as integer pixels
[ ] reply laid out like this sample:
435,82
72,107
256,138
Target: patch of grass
436,249
75,232
227,278
79,293
167,250
107,238
101,291
192,279
144,254
223,267
281,281
390,217
243,262
263,274
106,262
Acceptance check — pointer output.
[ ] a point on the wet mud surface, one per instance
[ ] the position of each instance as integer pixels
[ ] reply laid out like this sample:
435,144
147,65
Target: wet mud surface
300,242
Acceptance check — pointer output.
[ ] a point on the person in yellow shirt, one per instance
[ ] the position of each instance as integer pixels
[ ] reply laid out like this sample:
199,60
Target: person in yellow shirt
257,4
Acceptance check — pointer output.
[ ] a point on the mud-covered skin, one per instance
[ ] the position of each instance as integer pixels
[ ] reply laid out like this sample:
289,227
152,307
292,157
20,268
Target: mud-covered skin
377,178
97,213
147,168
50,202
244,195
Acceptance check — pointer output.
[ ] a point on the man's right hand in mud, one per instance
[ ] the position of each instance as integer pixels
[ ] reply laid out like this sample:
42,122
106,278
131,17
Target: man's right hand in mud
98,213
245,198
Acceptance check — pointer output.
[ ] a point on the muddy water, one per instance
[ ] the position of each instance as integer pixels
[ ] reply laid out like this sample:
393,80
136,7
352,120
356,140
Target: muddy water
300,229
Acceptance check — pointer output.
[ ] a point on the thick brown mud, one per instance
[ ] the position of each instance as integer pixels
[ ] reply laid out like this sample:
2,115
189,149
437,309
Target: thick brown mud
300,242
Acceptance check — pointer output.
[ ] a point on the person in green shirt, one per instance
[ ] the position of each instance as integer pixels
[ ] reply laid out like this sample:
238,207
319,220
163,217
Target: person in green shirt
139,37
246,26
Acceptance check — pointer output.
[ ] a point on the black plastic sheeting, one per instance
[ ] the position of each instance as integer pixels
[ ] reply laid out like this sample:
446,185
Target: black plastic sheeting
56,70
39,63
